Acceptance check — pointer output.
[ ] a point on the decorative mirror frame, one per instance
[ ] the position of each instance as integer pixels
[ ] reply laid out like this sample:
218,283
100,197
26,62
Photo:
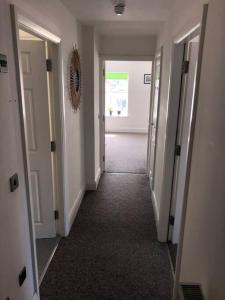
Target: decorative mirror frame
74,78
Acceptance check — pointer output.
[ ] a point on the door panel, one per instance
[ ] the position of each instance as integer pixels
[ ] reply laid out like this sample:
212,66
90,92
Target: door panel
182,88
31,133
155,115
35,183
102,114
38,135
183,138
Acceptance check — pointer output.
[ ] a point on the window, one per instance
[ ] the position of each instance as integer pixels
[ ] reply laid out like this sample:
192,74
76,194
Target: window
116,94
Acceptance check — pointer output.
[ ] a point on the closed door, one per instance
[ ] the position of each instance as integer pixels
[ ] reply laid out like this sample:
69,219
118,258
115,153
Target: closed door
154,116
183,136
184,140
38,136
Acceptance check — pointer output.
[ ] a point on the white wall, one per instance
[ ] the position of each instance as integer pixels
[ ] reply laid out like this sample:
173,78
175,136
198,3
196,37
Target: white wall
15,244
138,97
127,45
203,258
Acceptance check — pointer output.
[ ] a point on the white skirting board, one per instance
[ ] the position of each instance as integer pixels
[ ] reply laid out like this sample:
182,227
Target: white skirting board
155,208
92,186
127,130
36,297
74,210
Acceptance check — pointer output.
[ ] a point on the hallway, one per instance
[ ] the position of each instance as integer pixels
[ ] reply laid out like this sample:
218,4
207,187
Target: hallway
112,251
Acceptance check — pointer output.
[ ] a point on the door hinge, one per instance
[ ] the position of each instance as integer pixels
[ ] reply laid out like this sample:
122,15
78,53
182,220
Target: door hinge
103,72
48,65
22,276
171,220
177,150
185,67
103,118
103,158
56,214
53,146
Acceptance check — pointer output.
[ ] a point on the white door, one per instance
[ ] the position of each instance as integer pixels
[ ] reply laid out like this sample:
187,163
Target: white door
185,135
38,136
102,116
154,115
149,122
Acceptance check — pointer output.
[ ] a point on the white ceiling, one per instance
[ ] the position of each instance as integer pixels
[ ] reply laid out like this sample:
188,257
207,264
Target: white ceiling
141,17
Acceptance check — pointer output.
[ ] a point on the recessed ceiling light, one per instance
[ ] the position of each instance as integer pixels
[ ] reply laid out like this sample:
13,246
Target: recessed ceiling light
119,8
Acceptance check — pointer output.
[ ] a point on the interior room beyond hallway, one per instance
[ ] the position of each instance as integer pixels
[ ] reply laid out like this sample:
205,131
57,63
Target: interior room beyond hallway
126,153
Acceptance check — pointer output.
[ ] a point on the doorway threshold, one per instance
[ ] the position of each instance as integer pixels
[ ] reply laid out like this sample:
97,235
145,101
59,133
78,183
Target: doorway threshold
46,249
126,172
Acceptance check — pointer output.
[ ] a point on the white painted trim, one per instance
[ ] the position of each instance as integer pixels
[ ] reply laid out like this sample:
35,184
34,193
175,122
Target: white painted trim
127,130
171,127
190,149
98,176
74,210
19,18
25,20
102,60
92,186
159,54
174,99
182,36
102,113
19,83
155,208
149,122
35,297
127,57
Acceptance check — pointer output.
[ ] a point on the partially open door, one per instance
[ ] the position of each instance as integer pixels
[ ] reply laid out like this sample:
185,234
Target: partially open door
33,56
154,115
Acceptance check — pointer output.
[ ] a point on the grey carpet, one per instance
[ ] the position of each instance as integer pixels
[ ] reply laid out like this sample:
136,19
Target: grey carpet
45,248
125,152
112,251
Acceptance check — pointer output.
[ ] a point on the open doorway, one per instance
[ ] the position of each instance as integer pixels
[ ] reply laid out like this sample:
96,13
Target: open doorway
40,142
127,104
184,75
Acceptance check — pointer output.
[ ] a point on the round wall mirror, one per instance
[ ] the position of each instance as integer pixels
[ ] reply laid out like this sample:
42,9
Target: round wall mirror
75,79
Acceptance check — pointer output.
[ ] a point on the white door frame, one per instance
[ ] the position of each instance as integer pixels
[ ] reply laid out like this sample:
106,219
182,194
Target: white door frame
174,98
150,119
20,19
176,289
179,86
159,54
104,58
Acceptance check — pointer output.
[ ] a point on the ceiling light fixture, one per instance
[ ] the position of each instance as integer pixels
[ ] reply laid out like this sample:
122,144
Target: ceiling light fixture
119,8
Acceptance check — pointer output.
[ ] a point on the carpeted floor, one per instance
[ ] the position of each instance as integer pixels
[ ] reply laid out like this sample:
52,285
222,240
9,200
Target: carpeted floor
112,252
126,152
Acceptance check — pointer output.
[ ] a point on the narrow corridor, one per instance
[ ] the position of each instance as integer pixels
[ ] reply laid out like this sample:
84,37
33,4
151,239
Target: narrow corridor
112,251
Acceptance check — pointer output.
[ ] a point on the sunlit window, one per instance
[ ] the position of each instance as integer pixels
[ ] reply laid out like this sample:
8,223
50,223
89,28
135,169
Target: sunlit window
116,94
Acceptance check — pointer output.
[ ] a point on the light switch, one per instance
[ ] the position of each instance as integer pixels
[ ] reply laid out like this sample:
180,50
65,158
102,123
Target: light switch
3,63
14,182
